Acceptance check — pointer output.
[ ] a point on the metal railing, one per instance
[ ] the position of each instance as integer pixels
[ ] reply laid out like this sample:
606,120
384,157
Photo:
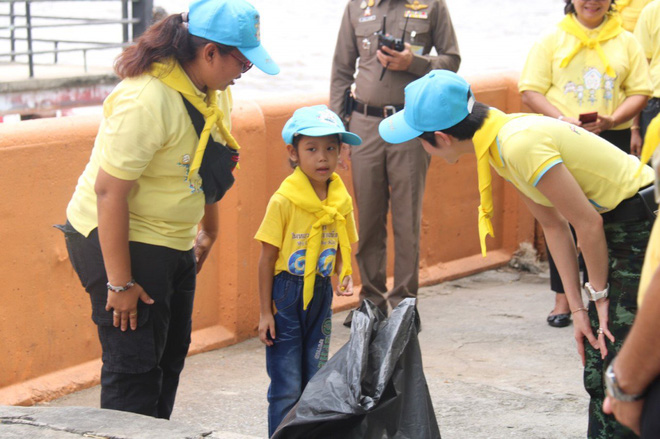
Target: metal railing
135,18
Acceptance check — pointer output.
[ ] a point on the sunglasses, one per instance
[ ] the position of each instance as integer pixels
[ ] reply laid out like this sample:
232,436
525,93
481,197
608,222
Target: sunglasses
247,65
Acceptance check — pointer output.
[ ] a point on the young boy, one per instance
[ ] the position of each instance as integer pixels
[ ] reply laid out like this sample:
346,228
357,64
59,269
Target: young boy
307,221
565,175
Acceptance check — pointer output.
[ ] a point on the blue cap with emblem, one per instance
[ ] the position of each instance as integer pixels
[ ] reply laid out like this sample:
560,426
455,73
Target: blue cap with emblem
317,121
232,23
436,101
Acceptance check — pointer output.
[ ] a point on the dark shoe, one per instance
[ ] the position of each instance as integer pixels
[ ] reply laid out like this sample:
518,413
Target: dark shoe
559,320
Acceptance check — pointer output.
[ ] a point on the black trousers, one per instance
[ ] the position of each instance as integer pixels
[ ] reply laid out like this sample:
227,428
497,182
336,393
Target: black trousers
141,368
648,113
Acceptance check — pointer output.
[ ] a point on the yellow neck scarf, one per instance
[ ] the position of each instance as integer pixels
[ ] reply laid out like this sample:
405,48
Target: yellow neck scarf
297,188
611,29
173,75
483,139
651,142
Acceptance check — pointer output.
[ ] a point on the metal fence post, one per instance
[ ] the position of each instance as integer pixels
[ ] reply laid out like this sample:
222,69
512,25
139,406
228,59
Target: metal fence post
28,22
124,15
12,31
143,10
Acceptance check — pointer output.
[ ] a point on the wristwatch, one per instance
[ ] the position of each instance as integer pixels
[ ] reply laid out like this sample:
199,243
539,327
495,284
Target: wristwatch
596,295
614,390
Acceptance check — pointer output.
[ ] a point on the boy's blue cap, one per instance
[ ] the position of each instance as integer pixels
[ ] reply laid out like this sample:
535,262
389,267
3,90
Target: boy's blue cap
436,101
232,23
317,121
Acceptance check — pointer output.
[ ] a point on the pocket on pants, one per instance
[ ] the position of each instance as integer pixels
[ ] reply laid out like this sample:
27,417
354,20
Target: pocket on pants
130,351
285,292
74,242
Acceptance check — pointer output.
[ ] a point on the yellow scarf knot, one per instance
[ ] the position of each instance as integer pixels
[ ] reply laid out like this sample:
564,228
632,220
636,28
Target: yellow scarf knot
610,29
483,140
339,204
172,74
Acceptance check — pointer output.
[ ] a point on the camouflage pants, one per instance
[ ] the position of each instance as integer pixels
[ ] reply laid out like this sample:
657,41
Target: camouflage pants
626,243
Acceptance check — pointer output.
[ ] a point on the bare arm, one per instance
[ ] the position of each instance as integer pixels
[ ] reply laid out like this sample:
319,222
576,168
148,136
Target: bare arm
538,103
207,234
636,140
345,286
113,219
267,261
563,191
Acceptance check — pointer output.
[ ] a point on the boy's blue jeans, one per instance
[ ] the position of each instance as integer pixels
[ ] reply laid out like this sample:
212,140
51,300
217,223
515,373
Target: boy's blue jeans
302,339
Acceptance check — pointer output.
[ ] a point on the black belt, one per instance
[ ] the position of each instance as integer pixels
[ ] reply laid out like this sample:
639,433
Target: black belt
384,111
640,206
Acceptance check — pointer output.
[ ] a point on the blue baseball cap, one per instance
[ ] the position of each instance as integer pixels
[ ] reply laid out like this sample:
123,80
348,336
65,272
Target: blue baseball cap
232,23
436,101
317,121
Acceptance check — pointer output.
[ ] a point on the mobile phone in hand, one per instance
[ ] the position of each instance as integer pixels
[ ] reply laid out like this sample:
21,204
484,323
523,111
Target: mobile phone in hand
589,117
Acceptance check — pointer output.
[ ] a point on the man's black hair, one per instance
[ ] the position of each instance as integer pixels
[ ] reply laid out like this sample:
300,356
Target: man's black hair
466,128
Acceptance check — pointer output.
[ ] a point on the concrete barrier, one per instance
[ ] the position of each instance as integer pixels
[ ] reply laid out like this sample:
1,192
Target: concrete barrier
49,345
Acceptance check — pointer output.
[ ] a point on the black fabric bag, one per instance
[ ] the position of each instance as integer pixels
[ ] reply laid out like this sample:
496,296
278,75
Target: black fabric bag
647,195
218,162
373,387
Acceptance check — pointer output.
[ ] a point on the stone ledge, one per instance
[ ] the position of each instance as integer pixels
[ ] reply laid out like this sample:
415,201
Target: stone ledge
78,422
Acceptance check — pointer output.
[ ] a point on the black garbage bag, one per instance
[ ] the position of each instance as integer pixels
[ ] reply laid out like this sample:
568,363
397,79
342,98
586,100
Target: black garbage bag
373,387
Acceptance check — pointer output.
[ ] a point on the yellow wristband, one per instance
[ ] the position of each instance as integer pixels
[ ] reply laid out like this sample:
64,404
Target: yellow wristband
634,127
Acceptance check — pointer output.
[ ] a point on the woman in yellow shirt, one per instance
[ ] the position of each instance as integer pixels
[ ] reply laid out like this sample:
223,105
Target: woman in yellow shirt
132,223
587,64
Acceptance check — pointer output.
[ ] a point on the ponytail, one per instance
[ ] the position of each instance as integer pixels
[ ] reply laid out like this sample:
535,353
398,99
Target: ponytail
168,38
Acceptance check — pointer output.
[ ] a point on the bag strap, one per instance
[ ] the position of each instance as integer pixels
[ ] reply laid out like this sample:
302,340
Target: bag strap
195,116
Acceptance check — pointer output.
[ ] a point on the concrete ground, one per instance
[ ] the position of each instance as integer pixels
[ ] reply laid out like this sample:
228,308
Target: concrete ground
495,369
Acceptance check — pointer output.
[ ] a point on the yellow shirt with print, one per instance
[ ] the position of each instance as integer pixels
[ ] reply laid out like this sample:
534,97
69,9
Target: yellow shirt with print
527,147
287,227
583,86
146,135
647,33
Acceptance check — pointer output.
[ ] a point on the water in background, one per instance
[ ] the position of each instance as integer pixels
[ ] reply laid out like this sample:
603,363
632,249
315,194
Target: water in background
300,36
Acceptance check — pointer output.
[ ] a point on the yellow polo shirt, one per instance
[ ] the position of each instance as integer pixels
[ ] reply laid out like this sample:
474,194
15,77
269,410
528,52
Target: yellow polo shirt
287,227
146,135
647,33
583,86
527,147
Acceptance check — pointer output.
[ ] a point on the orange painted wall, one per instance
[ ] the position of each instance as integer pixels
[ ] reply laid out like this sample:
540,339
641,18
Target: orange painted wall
48,343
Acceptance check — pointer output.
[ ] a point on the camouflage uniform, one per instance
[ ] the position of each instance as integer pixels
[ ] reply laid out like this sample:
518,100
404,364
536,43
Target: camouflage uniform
626,243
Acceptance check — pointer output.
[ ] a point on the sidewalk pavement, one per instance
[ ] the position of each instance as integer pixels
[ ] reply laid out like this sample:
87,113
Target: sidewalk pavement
494,368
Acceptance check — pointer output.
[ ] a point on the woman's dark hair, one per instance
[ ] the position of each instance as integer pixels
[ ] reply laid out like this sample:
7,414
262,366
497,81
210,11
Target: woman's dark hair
296,141
570,9
167,38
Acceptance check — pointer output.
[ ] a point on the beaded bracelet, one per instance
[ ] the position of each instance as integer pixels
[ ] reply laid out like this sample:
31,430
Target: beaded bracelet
120,289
